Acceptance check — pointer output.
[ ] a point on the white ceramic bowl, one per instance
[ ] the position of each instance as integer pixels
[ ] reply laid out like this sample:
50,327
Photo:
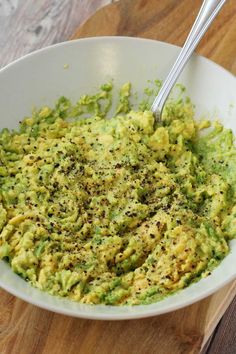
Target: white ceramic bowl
40,78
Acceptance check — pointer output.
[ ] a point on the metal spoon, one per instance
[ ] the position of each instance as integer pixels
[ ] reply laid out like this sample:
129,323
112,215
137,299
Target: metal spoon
206,15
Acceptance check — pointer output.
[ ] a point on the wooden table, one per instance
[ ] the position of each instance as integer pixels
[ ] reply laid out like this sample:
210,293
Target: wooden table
25,26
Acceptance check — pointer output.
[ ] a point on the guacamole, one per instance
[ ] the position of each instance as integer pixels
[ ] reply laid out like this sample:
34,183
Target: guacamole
119,211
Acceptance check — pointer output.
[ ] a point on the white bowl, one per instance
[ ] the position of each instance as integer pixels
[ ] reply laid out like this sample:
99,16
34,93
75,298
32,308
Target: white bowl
40,78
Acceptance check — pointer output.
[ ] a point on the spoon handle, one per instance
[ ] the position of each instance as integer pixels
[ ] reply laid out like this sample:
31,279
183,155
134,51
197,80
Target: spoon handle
206,15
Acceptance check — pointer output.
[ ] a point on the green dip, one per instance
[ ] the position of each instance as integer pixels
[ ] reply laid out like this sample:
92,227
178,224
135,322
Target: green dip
115,211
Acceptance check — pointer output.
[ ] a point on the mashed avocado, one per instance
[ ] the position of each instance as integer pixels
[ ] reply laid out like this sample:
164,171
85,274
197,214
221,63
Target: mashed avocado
115,211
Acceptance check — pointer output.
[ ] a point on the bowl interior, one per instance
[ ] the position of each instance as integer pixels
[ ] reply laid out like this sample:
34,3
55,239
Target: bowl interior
40,78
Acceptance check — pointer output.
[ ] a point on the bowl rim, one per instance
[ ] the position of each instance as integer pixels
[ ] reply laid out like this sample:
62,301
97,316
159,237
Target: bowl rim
111,316
101,38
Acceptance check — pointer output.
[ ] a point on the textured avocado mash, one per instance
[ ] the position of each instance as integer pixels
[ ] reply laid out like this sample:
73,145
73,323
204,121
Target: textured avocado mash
115,211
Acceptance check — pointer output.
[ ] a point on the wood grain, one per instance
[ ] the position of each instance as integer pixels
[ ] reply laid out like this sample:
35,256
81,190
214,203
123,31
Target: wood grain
168,21
26,25
26,329
224,340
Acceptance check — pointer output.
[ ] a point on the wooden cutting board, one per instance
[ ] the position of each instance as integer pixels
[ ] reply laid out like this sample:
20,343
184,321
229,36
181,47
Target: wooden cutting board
26,329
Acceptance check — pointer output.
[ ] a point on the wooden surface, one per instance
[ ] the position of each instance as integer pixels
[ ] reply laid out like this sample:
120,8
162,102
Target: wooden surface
27,25
168,21
26,329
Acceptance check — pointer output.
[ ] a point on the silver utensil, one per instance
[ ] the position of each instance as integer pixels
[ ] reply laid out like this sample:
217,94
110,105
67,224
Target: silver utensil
206,15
